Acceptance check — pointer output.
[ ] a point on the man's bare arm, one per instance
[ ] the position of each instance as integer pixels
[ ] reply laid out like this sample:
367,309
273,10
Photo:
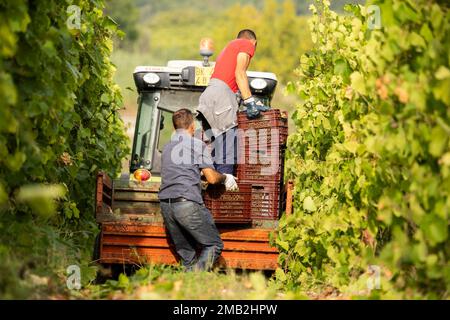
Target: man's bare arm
213,177
243,60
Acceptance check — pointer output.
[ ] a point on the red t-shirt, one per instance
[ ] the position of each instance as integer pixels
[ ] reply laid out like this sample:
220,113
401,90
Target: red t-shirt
226,62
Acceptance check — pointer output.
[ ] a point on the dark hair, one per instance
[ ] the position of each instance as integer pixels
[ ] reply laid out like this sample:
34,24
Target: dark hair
182,119
246,34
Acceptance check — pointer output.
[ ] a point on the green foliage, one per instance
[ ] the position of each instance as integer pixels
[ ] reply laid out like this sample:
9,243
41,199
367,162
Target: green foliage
58,118
149,8
371,155
175,33
282,35
126,15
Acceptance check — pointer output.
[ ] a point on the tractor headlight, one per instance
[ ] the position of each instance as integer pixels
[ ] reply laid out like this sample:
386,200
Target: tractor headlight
151,78
258,84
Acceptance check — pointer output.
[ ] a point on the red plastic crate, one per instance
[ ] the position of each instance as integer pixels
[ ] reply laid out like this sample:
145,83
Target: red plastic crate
268,119
260,196
263,126
266,201
257,165
256,173
263,136
273,151
229,206
254,200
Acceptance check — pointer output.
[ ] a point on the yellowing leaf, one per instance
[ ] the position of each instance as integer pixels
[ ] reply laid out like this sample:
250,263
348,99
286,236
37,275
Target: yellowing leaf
351,146
283,244
442,73
445,159
308,204
40,197
358,82
416,40
280,275
438,141
441,91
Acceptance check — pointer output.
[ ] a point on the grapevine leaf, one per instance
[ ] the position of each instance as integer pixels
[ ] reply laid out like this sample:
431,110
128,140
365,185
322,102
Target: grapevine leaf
438,141
434,228
358,83
283,244
280,275
308,204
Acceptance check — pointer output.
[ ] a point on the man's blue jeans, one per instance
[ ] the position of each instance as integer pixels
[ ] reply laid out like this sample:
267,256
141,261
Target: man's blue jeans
225,151
191,224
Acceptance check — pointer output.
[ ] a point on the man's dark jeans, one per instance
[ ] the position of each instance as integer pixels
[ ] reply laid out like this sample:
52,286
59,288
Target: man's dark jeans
189,224
225,151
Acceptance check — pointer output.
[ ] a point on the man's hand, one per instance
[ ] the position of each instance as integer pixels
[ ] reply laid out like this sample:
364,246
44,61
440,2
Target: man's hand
230,182
250,108
254,108
261,107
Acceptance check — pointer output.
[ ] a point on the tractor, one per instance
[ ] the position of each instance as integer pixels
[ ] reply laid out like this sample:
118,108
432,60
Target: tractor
127,208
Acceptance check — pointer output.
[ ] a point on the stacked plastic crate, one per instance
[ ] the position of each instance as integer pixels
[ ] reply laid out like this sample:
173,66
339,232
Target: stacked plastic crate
262,145
229,206
261,148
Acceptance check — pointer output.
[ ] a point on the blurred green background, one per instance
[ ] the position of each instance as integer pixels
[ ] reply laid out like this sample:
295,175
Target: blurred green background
158,31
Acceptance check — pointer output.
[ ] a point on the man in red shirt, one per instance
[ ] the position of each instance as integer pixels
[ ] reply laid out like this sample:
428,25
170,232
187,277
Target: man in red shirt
233,61
218,104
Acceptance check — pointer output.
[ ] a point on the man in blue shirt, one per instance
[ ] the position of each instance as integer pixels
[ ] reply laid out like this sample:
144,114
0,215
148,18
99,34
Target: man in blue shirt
187,220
